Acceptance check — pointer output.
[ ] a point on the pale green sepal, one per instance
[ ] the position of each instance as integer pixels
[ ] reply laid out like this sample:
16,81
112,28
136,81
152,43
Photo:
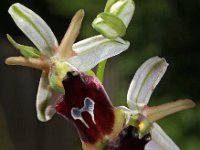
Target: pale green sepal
123,9
144,82
160,140
93,50
26,51
90,72
46,99
109,5
35,28
109,25
57,73
56,83
144,128
133,120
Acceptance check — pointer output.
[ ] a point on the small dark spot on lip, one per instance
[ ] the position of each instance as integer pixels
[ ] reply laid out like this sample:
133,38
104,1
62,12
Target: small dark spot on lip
70,74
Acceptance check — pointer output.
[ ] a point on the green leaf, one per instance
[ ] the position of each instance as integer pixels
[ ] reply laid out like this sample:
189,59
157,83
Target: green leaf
101,70
26,51
109,25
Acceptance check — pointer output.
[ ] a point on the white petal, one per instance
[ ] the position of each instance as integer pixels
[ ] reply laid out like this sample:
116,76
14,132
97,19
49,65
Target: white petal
161,140
93,50
34,28
144,81
46,99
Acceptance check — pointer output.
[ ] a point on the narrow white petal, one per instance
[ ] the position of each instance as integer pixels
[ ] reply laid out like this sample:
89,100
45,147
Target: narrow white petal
144,82
160,140
46,99
34,27
93,50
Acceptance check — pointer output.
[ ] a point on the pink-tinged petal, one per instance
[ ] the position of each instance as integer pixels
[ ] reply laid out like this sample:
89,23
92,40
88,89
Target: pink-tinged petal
160,139
93,50
46,99
35,28
88,106
144,82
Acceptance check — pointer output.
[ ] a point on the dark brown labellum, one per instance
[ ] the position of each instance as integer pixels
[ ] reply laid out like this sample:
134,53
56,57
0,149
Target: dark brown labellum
128,139
87,105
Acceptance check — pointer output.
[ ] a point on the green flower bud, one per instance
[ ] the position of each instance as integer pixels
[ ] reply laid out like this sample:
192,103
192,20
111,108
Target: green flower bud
123,9
112,23
109,25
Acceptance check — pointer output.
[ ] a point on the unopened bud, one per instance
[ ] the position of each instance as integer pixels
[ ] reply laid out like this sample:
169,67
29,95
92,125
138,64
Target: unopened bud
109,25
123,9
112,23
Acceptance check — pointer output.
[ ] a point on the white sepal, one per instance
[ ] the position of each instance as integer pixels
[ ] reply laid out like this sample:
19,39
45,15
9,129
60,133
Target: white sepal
160,140
144,82
35,28
93,50
46,99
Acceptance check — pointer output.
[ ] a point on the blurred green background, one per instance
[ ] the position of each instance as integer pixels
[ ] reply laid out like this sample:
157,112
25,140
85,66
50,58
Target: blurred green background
167,28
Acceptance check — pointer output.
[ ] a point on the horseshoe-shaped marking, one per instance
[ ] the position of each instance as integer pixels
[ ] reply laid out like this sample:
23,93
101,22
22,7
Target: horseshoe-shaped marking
76,113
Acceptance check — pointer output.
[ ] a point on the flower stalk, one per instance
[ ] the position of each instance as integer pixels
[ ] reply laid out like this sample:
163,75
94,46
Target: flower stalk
101,70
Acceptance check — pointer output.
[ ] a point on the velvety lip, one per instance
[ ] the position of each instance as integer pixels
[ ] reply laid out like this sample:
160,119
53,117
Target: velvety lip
79,86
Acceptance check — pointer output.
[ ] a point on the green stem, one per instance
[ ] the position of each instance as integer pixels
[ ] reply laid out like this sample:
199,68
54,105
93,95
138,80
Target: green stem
100,70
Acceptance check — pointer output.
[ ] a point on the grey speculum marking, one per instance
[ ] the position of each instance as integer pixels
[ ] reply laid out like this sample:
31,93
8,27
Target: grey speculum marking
76,113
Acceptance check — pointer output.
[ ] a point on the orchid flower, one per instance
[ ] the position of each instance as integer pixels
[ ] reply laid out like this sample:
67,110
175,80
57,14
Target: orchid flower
67,89
56,60
103,126
142,116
